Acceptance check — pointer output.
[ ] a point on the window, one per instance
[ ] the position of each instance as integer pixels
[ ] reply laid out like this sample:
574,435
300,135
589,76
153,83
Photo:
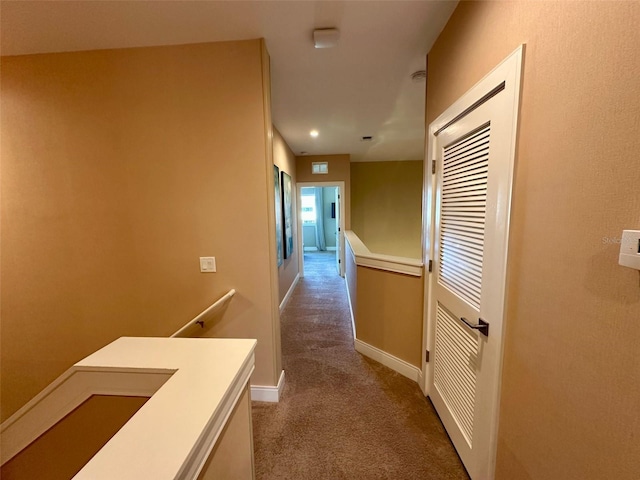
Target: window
308,208
319,168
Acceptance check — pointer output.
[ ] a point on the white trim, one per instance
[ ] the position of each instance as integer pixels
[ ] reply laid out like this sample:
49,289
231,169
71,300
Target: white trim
394,363
194,465
365,258
420,380
65,394
268,394
332,249
353,318
310,249
287,297
214,372
510,72
340,184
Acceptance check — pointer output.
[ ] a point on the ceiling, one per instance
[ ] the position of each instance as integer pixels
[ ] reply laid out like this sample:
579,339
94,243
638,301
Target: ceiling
362,87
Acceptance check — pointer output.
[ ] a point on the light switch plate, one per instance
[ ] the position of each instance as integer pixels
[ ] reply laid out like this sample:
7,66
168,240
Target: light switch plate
630,249
207,264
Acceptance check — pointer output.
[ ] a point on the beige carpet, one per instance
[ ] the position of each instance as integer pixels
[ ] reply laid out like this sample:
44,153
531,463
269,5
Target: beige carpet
343,416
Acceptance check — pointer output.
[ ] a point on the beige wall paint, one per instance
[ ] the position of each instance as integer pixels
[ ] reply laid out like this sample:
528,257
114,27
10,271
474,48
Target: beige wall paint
570,404
387,308
284,158
67,446
386,206
276,347
339,171
119,169
390,313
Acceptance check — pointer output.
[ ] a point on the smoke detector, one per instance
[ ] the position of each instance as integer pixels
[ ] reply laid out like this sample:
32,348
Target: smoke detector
326,37
419,76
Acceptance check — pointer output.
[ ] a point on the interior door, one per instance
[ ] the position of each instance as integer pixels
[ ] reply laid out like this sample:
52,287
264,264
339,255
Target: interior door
474,157
338,232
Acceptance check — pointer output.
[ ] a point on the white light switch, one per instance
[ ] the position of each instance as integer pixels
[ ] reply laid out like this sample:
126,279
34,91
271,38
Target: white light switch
630,249
207,264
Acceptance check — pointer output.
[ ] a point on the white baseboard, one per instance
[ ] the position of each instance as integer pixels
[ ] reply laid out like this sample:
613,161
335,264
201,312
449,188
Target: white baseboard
268,394
353,319
287,297
315,249
403,368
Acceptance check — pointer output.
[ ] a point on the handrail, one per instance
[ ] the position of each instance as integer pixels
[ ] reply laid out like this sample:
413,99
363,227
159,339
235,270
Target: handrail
206,313
365,258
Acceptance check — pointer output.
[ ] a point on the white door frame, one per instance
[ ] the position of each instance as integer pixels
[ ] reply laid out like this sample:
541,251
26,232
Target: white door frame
299,186
510,72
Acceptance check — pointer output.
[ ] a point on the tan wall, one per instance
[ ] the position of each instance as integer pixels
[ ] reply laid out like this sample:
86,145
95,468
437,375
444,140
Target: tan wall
284,158
389,314
119,169
66,447
339,170
571,391
386,206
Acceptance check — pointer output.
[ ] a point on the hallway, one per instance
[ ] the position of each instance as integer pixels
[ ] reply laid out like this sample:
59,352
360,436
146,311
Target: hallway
341,415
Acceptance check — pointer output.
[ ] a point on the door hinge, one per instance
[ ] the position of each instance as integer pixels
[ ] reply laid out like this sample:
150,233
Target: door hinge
426,356
339,261
431,265
433,166
339,230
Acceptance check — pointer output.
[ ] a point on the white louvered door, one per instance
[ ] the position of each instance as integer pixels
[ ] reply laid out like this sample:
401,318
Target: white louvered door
474,154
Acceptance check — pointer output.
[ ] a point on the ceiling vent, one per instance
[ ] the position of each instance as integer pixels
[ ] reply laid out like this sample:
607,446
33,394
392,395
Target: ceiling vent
326,37
368,138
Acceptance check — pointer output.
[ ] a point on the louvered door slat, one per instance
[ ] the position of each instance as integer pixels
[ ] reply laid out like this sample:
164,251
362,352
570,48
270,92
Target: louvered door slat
471,192
463,259
469,238
465,165
468,251
468,202
477,174
478,138
462,215
455,368
467,229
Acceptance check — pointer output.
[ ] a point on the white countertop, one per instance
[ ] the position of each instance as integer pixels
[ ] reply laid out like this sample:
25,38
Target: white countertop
173,433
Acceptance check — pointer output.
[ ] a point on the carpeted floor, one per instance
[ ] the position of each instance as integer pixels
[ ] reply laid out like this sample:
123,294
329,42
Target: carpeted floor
343,416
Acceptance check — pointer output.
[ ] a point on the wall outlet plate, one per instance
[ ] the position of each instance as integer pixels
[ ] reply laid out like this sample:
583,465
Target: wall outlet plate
630,249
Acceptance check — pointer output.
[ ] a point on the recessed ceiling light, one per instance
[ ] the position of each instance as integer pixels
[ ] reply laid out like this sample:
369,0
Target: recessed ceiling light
313,133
